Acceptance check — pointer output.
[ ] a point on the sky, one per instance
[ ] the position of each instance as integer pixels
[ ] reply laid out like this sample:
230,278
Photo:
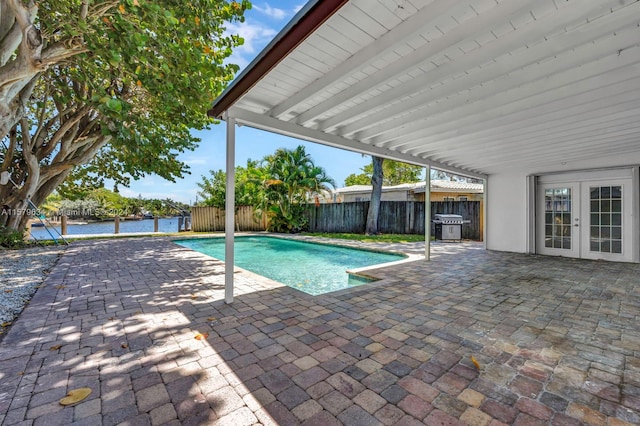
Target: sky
261,25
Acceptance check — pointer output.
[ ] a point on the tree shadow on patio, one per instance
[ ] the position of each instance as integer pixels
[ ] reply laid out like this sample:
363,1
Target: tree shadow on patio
126,314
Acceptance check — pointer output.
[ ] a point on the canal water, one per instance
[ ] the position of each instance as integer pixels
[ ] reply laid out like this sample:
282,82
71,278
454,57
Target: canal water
169,224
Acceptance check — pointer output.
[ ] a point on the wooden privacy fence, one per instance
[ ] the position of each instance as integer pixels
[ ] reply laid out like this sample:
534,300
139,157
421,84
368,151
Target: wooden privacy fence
211,219
396,217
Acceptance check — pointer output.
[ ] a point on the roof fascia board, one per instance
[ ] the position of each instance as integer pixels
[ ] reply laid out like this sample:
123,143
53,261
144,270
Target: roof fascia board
274,125
303,24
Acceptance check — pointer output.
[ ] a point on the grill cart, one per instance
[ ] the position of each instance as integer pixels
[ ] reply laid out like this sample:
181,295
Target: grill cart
448,227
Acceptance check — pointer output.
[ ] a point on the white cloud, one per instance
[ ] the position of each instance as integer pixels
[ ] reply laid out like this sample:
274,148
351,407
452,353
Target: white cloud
298,7
272,12
255,36
196,161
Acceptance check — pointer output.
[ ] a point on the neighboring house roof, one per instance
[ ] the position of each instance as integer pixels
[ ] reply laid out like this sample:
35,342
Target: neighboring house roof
418,187
452,186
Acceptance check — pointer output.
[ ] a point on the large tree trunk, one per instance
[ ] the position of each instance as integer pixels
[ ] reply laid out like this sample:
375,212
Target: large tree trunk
376,195
38,164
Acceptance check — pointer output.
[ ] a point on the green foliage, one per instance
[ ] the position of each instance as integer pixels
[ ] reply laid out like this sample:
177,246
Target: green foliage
102,203
166,63
11,238
290,178
51,204
279,186
213,190
442,175
110,200
85,209
79,185
357,179
289,220
129,82
395,173
247,188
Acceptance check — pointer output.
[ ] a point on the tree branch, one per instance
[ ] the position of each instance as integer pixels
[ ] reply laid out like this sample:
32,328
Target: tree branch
31,177
61,134
61,51
10,43
8,157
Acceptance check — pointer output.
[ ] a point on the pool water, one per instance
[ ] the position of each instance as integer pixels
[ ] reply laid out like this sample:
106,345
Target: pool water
309,267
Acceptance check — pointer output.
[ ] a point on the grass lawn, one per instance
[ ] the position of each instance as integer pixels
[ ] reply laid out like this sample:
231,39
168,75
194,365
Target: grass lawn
382,238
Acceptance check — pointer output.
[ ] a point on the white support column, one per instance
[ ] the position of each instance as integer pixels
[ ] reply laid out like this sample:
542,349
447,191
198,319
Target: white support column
427,214
485,201
531,214
230,208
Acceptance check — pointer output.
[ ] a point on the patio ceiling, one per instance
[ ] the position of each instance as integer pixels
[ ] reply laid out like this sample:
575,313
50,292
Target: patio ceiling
473,87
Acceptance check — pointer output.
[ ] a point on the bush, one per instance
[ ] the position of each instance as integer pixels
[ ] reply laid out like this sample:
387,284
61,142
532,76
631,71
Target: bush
292,223
11,238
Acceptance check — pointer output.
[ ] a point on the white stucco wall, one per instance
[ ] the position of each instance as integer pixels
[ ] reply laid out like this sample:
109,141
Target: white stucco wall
507,198
506,212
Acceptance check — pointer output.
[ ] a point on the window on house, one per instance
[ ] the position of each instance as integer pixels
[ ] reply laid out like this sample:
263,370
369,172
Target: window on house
449,199
463,198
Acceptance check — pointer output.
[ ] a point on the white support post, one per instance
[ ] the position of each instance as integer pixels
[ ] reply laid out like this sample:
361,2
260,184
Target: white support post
427,214
229,212
485,201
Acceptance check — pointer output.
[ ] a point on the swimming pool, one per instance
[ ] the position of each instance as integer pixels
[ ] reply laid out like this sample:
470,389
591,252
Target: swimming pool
309,267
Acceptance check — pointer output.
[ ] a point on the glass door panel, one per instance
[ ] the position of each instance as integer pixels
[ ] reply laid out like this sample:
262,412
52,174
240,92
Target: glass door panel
606,219
607,209
557,220
586,215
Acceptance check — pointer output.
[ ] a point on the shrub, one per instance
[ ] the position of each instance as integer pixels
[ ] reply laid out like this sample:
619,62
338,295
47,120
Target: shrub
11,238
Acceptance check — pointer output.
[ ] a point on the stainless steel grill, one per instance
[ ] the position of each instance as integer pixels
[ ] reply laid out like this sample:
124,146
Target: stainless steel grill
448,226
448,219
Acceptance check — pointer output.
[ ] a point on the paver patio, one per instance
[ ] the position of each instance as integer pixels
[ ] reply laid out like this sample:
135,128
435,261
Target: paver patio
557,341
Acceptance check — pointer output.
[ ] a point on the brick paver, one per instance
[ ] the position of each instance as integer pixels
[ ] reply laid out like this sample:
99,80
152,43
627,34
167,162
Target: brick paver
556,340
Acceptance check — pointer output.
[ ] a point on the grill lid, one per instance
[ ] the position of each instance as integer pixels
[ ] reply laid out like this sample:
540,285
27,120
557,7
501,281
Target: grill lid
447,218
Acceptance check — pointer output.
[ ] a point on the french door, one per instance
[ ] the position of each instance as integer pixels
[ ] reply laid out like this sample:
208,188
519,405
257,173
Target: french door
589,219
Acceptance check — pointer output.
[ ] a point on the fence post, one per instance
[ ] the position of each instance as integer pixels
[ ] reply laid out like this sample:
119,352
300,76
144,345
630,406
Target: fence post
117,225
155,224
63,224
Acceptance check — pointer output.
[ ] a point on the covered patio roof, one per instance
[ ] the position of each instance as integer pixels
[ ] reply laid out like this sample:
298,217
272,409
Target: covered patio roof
473,87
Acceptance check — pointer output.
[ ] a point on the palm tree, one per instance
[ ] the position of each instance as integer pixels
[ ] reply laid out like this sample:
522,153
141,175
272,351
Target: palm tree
291,178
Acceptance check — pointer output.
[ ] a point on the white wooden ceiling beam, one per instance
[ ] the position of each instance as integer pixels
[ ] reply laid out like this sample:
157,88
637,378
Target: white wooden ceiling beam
471,27
525,68
525,148
367,55
570,109
587,122
595,147
471,146
528,34
469,121
617,114
556,162
274,125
